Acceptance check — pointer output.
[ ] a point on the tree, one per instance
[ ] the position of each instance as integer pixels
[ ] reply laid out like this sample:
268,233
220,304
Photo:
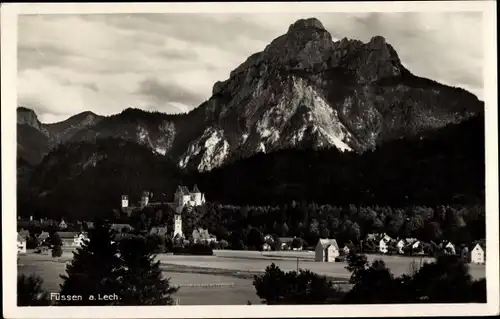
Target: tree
432,232
56,242
30,291
374,284
94,269
276,287
445,280
255,239
141,280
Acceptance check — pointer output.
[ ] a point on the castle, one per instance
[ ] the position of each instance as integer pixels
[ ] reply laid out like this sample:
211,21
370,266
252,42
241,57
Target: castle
183,198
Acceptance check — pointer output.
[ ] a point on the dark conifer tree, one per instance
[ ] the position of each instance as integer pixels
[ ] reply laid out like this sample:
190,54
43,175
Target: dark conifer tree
141,276
93,270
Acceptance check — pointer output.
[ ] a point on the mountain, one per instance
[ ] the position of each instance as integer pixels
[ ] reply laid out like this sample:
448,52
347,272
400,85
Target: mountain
441,166
80,180
84,179
303,91
36,139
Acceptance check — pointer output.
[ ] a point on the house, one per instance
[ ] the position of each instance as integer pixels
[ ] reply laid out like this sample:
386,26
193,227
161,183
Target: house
43,237
346,250
326,250
21,244
63,224
384,244
371,237
90,225
24,233
67,237
405,243
202,236
79,239
269,238
478,254
266,247
159,231
400,245
286,242
448,247
121,227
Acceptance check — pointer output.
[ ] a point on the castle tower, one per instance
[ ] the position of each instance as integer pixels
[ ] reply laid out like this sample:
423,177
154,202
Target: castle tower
178,225
197,196
124,201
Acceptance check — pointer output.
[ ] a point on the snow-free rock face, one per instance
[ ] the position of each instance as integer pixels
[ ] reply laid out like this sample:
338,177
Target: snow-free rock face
305,90
302,91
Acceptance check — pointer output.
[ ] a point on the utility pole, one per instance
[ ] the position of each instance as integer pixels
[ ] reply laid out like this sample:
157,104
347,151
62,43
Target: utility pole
297,264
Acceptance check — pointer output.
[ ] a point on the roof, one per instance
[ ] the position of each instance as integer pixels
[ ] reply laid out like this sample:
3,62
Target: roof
183,189
285,239
195,189
481,245
24,233
43,235
324,242
20,238
370,237
158,231
67,234
119,227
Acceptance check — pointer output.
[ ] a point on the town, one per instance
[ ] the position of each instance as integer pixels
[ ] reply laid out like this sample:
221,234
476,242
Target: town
37,234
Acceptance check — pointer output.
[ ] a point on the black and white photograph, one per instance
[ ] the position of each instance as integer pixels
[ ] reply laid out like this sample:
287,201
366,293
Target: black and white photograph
284,157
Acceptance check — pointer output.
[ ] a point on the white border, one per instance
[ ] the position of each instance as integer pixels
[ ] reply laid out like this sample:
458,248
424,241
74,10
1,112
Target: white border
9,14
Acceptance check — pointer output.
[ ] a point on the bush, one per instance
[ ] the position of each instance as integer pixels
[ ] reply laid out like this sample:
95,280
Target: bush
56,251
340,259
30,292
305,287
31,243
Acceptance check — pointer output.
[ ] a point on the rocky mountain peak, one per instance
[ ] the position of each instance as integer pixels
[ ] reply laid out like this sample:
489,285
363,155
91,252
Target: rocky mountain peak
306,24
26,116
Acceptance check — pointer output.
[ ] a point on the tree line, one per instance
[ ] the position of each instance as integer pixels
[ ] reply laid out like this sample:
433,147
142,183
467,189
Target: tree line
244,227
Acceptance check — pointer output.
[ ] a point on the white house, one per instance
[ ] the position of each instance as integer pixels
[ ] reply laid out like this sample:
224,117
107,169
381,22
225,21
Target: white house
63,225
327,250
400,245
416,244
78,239
346,250
21,244
450,248
384,244
266,247
478,254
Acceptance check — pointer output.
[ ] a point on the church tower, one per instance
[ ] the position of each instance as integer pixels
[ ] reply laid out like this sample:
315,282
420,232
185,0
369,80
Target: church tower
124,201
178,225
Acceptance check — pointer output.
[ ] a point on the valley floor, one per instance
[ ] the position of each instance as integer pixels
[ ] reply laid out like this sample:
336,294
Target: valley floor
226,277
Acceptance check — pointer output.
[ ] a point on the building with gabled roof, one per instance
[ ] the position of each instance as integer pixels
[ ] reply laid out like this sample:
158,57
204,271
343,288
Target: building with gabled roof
326,250
21,244
478,254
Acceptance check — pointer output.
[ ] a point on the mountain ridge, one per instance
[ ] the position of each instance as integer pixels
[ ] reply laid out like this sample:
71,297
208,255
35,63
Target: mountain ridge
304,90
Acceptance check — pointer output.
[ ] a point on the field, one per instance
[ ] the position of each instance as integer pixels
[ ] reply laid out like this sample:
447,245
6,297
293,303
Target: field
226,277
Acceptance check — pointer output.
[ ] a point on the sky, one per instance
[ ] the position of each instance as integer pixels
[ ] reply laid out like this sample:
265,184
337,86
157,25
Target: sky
105,63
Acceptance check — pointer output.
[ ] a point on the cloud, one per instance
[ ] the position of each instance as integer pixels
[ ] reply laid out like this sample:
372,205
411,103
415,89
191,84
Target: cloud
167,92
169,62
